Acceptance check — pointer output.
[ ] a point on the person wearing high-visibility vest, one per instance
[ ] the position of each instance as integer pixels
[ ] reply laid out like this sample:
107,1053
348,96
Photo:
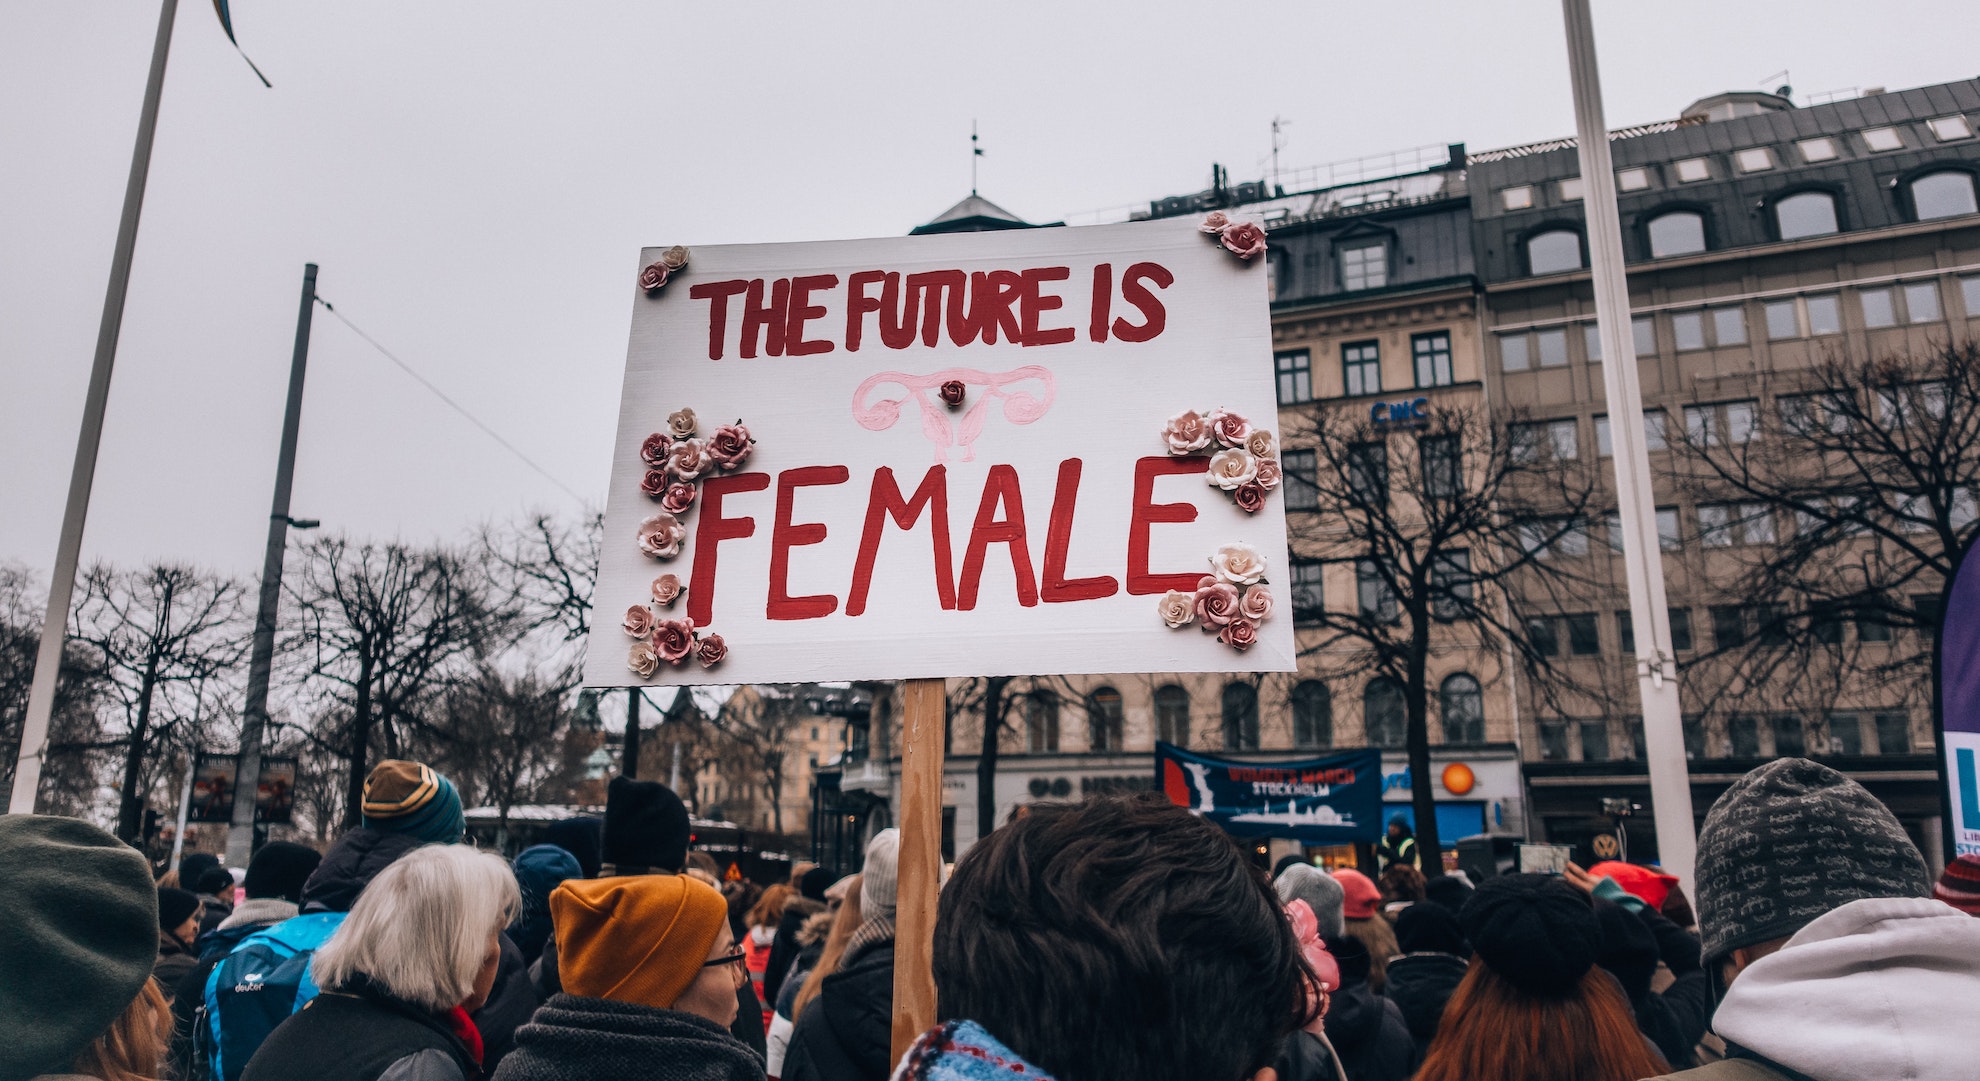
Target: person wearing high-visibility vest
1399,846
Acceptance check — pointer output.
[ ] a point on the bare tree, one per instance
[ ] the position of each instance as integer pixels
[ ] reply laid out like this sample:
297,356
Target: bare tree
75,731
544,569
1453,528
501,736
158,631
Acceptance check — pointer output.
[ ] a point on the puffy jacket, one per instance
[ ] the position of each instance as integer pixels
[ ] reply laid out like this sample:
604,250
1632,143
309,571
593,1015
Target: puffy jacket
1420,984
349,867
846,1033
360,1033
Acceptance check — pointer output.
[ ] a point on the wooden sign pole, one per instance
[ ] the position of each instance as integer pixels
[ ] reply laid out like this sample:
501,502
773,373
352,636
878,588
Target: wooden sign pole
920,870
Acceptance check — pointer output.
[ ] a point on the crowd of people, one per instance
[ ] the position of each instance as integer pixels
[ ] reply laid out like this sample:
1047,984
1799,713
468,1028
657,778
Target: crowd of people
1117,937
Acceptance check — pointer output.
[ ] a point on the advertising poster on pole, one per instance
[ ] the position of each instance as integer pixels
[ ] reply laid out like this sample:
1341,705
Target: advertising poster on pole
1316,801
213,789
1036,451
1959,673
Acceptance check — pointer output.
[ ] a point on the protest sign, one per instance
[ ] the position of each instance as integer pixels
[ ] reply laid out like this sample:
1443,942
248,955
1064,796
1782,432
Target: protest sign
1317,801
937,456
1959,674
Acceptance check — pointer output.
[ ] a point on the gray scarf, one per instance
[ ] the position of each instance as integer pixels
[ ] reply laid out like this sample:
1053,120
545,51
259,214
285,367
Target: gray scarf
595,1039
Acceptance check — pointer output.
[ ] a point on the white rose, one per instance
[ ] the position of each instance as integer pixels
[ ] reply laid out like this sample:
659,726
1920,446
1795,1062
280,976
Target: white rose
1178,609
1231,468
1239,564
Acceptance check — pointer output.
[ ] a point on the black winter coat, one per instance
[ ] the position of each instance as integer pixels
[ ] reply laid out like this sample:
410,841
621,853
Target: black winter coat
1306,1059
1368,1032
508,1007
349,867
175,959
595,1039
846,1033
1675,1018
1420,984
361,1034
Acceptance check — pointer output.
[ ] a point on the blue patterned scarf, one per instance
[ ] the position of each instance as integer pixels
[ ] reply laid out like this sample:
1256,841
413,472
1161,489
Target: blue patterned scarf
963,1051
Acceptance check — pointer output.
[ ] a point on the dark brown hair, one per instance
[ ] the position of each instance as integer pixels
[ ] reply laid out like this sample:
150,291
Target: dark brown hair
1119,937
1493,1031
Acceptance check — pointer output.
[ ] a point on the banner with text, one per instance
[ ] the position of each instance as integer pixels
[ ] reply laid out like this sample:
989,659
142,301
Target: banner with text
1034,451
1959,673
1317,801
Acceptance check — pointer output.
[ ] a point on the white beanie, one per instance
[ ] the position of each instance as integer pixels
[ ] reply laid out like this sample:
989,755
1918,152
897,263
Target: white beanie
879,884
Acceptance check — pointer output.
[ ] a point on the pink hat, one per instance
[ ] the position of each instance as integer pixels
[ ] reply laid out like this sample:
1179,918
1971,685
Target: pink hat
1960,885
1642,883
1362,896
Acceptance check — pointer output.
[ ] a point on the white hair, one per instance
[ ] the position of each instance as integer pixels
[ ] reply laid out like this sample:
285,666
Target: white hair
420,929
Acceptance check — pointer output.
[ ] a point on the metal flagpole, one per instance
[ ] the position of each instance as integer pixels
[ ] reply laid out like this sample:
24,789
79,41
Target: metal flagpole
1656,674
68,550
254,718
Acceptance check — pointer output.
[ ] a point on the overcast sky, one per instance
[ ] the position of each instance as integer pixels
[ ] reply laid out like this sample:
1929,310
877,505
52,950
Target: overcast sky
476,180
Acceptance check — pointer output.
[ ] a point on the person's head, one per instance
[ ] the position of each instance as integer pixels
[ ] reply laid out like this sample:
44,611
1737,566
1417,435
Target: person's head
1279,868
411,798
279,870
427,930
651,940
1320,890
192,866
844,922
1533,1005
178,913
1430,928
646,828
769,908
705,863
582,837
1119,937
1360,897
815,881
1786,843
1399,828
216,882
79,934
878,885
1451,891
1959,886
1402,882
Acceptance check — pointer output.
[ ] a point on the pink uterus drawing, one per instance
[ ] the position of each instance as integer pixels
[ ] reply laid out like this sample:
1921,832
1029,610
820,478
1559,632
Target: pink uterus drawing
1020,407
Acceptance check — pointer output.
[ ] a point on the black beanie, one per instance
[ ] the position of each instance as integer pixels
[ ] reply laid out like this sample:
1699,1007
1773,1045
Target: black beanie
175,907
1535,930
279,870
1629,950
1427,926
214,880
816,881
646,827
580,837
1447,890
1791,841
193,865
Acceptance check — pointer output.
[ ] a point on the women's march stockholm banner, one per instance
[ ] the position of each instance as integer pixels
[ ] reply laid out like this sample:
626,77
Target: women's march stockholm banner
1959,671
1331,800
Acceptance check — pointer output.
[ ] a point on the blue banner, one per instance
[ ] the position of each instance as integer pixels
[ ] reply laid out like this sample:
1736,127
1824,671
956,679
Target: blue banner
1317,801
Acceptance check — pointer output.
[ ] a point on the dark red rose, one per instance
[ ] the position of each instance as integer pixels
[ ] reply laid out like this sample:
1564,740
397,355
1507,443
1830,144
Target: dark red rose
710,650
1250,498
678,498
952,393
654,450
654,484
654,277
729,445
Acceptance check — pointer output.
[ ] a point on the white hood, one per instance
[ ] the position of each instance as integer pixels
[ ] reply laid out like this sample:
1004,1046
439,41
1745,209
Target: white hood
1881,988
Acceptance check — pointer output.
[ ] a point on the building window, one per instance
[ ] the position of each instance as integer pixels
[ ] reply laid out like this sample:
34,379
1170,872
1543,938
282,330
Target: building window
1824,314
1512,351
1553,251
1605,445
1693,170
1041,722
1433,359
1726,424
1368,473
1694,736
1552,346
1790,738
1820,148
1969,292
1594,741
1679,232
1948,129
1300,474
1295,376
1538,441
1443,472
1783,319
1893,733
1680,630
1728,626
1947,194
1104,720
1879,307
1361,368
1643,335
1584,634
1313,715
1553,741
1591,339
1172,715
1384,716
1571,189
1240,717
1518,198
1757,159
1634,178
1365,266
1451,585
1376,599
1561,439
1653,430
1626,632
1688,331
1723,525
1729,326
1463,709
1845,734
1542,637
1882,139
1810,213
1670,537
1309,595
1743,736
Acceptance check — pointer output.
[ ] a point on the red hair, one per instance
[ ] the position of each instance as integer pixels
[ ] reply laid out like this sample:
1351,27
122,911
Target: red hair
1492,1031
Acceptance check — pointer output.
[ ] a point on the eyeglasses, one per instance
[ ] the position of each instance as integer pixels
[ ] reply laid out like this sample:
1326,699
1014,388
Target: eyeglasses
726,959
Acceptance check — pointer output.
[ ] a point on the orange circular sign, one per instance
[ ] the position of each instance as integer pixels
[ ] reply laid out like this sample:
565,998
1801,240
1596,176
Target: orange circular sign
1458,779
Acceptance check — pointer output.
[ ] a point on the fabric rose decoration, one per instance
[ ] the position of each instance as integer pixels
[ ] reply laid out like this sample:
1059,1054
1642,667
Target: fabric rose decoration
1256,605
666,589
642,660
689,459
1215,222
681,423
661,536
1216,604
1259,443
677,499
673,639
1239,564
729,445
1186,432
654,484
639,621
1229,469
1177,608
1239,634
674,258
952,392
1268,474
654,450
1231,429
710,651
654,277
1250,498
1244,239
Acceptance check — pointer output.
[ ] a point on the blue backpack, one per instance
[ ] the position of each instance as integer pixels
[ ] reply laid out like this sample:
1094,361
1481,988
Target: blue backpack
256,987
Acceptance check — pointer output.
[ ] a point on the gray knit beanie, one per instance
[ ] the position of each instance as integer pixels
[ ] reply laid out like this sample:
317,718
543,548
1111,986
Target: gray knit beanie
879,887
1321,892
1789,842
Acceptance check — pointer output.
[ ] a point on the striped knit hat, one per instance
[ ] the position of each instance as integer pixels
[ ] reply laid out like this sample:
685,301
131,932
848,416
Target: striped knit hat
1959,886
409,798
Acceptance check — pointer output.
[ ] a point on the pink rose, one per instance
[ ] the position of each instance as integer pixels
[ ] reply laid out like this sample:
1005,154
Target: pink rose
642,661
729,445
639,621
1186,432
661,536
673,639
1268,474
711,650
1231,429
654,277
665,589
1231,469
678,498
654,484
1256,605
674,258
1250,497
1207,581
1239,634
1216,604
654,450
1238,563
1214,222
1259,443
1244,239
689,459
952,393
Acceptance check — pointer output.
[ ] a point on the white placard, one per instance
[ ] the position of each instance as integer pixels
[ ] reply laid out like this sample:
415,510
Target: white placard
846,414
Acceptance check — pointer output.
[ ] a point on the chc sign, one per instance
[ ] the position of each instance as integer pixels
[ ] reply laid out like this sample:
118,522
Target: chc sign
1414,413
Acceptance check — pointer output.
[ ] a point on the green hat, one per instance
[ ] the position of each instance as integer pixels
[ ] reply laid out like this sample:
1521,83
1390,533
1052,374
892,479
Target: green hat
79,932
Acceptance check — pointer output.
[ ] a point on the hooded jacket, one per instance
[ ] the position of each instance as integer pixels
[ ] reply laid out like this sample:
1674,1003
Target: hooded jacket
846,1033
1881,987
